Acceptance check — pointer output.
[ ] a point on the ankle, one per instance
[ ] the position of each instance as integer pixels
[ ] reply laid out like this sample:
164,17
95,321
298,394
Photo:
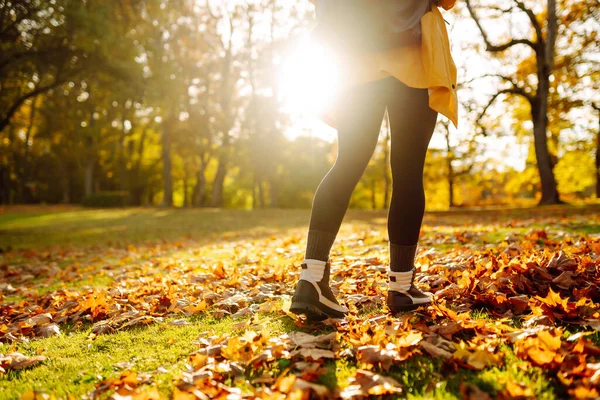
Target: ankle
402,257
318,245
400,281
315,270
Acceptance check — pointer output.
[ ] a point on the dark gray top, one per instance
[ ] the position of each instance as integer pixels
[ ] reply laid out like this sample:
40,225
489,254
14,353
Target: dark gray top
399,15
370,25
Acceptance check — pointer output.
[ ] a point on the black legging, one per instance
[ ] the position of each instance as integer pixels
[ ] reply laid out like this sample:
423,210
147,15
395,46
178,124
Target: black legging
358,116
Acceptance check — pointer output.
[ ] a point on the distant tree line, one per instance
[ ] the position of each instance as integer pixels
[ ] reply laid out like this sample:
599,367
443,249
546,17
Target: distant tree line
153,102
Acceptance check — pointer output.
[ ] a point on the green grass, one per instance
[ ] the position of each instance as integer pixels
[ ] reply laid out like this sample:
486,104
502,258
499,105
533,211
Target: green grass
76,364
122,227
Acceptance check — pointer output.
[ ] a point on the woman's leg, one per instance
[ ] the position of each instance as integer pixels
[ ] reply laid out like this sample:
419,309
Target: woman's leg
412,123
359,115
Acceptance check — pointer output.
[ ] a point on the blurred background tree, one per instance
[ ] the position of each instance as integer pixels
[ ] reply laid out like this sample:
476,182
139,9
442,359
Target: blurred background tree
181,103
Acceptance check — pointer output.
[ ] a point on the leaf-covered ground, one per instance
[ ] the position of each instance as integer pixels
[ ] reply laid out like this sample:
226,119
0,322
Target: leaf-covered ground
186,304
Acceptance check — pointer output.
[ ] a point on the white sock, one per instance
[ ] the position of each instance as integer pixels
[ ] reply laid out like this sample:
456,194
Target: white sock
400,281
315,269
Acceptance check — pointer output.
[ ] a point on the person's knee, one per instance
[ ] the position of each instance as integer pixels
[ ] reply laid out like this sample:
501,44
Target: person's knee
352,167
345,177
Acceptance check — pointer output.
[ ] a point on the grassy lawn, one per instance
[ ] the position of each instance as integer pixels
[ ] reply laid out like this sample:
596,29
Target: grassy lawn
152,290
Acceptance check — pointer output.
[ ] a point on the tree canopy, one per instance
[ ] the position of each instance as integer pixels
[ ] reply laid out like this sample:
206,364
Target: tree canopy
149,102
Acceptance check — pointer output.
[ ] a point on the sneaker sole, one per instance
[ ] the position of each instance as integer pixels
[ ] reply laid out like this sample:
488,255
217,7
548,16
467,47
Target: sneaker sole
408,307
312,312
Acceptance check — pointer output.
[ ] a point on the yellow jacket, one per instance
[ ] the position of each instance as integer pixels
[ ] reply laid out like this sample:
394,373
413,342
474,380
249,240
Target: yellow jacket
426,65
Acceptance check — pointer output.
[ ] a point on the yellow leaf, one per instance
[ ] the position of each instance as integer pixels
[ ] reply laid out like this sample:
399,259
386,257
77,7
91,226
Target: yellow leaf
179,395
483,358
550,341
28,395
515,390
194,309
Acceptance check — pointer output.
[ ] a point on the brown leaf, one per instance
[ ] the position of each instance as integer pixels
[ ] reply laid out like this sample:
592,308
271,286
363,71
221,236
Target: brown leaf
18,361
435,351
320,391
366,383
313,353
472,392
564,280
519,303
562,262
48,330
306,340
41,319
375,356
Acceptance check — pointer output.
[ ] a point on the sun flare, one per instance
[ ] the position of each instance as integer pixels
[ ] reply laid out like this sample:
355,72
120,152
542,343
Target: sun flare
309,79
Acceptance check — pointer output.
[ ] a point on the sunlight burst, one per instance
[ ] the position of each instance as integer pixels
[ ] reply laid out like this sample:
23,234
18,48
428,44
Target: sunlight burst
309,79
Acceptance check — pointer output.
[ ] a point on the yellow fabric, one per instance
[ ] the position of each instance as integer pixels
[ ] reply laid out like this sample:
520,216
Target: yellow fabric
427,64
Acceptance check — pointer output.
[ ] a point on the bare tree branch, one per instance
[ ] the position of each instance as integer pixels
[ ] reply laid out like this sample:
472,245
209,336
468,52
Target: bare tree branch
516,88
514,91
491,47
19,102
534,22
17,20
210,11
32,54
503,77
551,34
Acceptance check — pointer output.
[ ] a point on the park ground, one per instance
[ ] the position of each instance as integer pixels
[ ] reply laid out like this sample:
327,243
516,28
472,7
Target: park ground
185,304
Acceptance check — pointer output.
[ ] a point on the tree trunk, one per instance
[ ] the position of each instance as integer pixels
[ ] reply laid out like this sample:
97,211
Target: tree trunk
4,185
123,184
544,164
27,195
186,198
254,197
449,159
373,197
136,189
167,163
539,116
597,108
218,183
91,156
65,184
150,195
226,94
261,194
273,193
199,194
16,167
89,176
539,110
598,158
199,189
544,48
450,190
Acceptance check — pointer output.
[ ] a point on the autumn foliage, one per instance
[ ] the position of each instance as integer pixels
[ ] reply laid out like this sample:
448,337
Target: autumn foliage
538,290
